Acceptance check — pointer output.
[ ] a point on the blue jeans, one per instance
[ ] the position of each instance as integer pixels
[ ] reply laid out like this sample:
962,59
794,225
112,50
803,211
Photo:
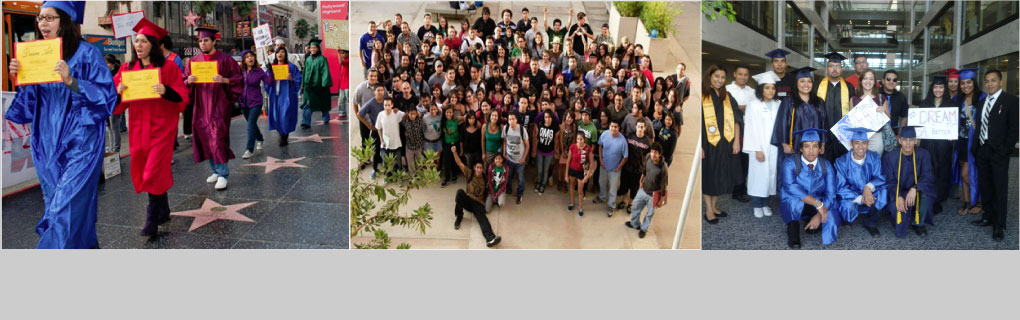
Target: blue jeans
759,202
640,201
306,116
252,115
609,181
344,94
517,169
220,169
543,169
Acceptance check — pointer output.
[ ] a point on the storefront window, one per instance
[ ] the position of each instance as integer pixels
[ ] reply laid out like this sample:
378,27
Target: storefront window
1007,64
940,31
757,15
982,16
797,28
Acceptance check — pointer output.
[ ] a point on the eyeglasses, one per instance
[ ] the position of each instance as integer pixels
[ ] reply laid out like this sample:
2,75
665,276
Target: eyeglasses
892,79
40,18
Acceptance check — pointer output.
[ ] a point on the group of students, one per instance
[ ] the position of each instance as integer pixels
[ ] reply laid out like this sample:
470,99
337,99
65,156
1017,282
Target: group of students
780,129
493,99
68,117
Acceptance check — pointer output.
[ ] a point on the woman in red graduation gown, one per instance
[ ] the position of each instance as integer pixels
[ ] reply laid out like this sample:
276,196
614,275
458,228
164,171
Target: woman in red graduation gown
153,123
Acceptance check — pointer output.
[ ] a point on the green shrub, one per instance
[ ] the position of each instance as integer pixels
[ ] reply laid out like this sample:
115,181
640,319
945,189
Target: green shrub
659,15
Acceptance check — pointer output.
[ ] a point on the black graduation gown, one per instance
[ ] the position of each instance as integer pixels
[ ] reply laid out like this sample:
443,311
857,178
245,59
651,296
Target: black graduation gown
942,154
833,113
925,187
808,114
720,168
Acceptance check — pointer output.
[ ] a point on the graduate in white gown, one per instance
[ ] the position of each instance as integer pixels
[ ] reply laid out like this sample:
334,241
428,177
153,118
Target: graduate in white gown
759,120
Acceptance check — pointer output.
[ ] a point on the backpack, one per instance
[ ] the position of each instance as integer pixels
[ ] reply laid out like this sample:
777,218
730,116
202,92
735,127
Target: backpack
796,172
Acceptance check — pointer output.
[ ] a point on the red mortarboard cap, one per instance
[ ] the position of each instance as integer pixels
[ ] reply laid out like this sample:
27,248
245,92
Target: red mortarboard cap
148,28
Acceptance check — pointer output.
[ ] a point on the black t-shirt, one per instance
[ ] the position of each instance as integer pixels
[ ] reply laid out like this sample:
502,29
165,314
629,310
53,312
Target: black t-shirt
487,27
427,33
472,140
897,106
404,104
545,137
523,25
579,39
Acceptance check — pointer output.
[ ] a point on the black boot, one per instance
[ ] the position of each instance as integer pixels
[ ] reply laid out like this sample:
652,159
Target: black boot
151,225
163,206
284,139
793,234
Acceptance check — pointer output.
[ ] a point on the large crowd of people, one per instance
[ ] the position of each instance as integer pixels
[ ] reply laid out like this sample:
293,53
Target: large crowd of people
774,140
497,96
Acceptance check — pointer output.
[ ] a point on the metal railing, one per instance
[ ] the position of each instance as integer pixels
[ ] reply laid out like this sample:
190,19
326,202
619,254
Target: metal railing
695,167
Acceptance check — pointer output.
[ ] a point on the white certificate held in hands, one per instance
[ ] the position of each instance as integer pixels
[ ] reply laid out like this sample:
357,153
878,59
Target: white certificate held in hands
863,115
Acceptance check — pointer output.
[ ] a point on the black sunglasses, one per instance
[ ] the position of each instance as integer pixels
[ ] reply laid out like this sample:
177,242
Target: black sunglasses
892,79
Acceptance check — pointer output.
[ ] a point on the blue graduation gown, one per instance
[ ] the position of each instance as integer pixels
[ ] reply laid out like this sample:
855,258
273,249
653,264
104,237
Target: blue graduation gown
810,114
68,136
809,183
851,180
925,187
283,101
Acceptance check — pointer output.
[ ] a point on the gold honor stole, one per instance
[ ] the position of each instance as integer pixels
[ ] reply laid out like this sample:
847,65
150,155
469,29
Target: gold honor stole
711,126
844,95
917,205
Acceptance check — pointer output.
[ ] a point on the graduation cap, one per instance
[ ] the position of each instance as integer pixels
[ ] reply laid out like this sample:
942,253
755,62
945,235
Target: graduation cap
810,134
315,42
767,77
148,28
835,57
907,131
804,72
860,133
777,53
969,73
951,73
210,33
73,9
247,52
941,80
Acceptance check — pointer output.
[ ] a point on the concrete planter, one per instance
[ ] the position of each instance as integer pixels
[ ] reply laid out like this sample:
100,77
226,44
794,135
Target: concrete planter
620,26
634,29
658,50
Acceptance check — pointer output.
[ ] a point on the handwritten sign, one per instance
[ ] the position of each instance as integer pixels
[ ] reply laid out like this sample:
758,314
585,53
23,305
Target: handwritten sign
139,84
204,70
281,71
935,123
262,36
124,24
335,34
37,59
863,115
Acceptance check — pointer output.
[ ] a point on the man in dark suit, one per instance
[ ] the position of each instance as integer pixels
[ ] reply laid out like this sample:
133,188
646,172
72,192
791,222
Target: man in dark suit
997,133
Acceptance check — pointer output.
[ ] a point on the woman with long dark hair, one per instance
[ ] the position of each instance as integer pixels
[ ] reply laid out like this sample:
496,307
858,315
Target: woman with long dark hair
283,98
153,128
67,128
969,95
720,141
941,150
251,99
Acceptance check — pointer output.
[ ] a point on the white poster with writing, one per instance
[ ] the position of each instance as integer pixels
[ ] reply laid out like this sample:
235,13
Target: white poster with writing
935,123
863,115
262,36
124,24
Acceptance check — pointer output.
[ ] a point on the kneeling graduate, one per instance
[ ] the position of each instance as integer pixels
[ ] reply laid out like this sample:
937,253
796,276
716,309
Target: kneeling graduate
808,191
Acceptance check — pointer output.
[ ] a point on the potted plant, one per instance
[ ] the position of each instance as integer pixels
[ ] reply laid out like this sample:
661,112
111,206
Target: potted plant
647,23
623,19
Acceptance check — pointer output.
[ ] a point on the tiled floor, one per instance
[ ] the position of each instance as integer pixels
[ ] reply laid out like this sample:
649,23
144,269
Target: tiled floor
294,208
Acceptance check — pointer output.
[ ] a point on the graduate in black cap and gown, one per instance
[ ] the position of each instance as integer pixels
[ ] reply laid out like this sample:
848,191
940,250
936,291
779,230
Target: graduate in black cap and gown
720,141
800,111
809,191
941,150
836,93
908,172
787,84
860,182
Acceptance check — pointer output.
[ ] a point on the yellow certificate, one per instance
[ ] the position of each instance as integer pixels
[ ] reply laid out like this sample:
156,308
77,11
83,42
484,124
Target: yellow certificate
281,71
38,58
204,70
139,84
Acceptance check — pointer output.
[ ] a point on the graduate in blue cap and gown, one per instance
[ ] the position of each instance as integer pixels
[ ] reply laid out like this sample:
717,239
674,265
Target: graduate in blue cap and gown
787,83
68,131
211,104
908,173
283,98
800,111
860,182
970,94
941,150
809,191
836,93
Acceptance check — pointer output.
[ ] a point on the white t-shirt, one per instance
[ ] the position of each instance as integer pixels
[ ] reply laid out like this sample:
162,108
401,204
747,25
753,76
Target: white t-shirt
389,127
743,96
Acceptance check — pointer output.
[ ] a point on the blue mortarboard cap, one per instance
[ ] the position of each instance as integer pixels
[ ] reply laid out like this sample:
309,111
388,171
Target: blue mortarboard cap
74,9
907,131
804,72
835,57
810,134
777,53
969,73
860,133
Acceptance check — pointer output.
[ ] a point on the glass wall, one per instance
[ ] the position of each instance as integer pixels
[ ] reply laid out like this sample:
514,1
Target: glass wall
983,16
1007,64
917,51
940,31
797,28
820,50
757,15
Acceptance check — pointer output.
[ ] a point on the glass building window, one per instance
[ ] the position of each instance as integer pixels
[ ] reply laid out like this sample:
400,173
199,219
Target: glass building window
917,46
1007,64
983,16
797,30
820,50
940,32
757,15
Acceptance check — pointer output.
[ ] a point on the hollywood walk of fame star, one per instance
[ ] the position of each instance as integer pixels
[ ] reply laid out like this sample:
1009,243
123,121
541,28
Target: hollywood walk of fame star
313,138
274,163
212,211
191,18
331,121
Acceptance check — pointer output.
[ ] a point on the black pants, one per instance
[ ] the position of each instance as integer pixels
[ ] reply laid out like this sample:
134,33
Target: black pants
188,114
450,169
993,182
942,162
476,208
741,189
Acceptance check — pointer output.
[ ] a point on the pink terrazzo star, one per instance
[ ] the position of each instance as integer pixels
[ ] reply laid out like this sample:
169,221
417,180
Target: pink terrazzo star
212,211
332,121
274,163
313,138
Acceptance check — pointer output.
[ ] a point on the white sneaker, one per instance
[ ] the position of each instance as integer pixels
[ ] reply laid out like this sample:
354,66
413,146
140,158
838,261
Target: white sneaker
212,178
767,211
758,212
258,145
247,154
221,183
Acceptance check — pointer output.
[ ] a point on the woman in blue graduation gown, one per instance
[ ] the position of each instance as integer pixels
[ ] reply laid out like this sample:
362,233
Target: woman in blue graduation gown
966,174
283,99
908,173
68,131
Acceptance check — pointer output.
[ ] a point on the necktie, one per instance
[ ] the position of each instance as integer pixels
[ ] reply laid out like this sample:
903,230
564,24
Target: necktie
984,119
811,167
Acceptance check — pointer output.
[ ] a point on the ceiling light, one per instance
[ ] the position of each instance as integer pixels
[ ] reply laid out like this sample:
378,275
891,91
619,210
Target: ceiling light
733,60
